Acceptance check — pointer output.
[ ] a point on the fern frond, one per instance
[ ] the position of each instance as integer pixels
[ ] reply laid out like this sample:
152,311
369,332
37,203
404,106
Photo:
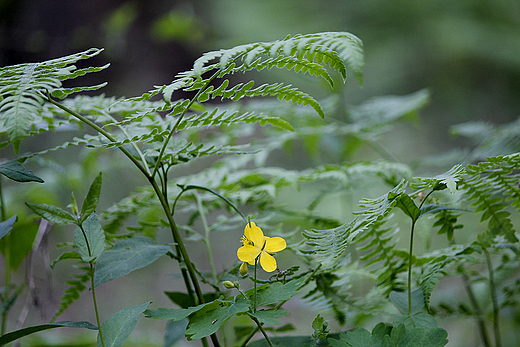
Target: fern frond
439,182
73,292
493,186
22,88
219,117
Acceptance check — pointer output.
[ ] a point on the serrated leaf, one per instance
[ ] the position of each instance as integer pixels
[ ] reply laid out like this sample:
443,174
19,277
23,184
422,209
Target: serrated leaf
416,320
66,255
17,172
52,213
92,199
7,225
415,337
90,239
278,292
269,316
119,326
400,300
175,314
127,256
209,319
361,337
17,334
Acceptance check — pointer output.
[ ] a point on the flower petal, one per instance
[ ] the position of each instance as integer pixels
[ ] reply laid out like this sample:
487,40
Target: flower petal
254,234
268,262
274,244
248,253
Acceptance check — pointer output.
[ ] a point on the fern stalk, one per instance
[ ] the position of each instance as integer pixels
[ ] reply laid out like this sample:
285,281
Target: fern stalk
496,309
95,303
478,311
207,241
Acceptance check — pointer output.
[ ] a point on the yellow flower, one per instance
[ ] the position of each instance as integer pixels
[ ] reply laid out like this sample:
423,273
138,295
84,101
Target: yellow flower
255,245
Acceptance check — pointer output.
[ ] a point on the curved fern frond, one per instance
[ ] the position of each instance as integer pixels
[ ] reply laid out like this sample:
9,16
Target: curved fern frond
493,186
22,88
73,293
446,180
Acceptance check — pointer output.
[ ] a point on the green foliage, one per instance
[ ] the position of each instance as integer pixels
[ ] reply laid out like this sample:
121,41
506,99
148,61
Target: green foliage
17,334
73,292
23,88
117,327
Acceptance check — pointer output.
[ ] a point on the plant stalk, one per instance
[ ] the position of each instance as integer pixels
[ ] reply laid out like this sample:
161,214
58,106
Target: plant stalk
410,260
95,303
496,309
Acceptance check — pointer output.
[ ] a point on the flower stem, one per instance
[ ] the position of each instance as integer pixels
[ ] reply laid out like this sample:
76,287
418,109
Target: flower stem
207,241
254,297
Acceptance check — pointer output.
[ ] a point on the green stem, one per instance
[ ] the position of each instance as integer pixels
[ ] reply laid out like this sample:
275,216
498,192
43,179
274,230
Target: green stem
410,260
496,309
259,325
164,203
163,148
254,297
277,307
7,266
478,311
95,304
207,241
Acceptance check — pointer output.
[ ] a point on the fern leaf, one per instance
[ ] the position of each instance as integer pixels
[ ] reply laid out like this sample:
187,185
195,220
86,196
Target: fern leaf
448,179
22,87
72,293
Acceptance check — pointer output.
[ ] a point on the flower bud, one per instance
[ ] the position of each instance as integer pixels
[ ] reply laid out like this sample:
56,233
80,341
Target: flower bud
243,269
228,284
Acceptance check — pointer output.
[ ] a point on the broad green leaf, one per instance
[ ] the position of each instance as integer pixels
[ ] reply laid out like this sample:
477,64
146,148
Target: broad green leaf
17,334
294,341
400,300
7,225
66,255
17,172
175,314
19,242
278,292
184,300
127,256
269,316
361,337
415,337
92,199
418,320
90,239
118,327
52,213
209,319
174,332
408,206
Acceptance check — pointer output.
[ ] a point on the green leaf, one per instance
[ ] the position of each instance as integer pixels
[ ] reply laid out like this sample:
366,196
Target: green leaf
92,199
127,256
418,320
269,316
118,327
18,243
175,314
361,337
408,206
400,300
174,332
66,255
209,319
415,337
184,300
17,172
90,239
321,329
17,334
277,292
52,213
7,225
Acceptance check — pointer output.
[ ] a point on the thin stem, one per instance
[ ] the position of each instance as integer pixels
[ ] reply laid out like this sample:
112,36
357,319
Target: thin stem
496,309
7,265
102,132
410,260
478,311
259,325
163,148
254,297
207,241
95,304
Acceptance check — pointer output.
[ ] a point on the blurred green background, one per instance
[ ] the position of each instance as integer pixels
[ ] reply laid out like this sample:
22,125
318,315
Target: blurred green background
466,52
